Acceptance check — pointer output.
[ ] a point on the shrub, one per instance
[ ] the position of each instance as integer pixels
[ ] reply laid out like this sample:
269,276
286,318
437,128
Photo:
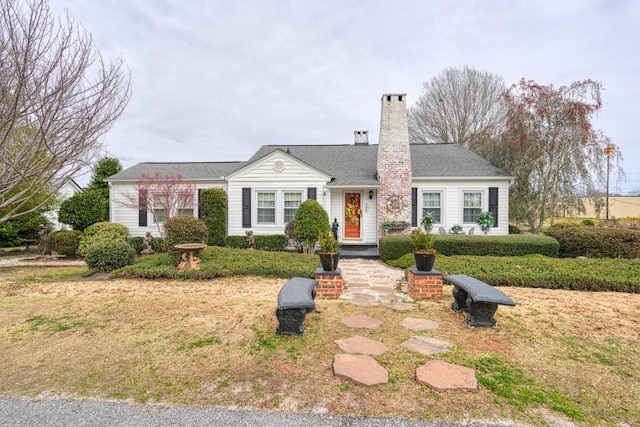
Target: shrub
310,220
184,229
513,229
137,243
394,247
598,242
271,242
236,242
588,222
102,232
8,236
109,256
65,242
84,209
213,211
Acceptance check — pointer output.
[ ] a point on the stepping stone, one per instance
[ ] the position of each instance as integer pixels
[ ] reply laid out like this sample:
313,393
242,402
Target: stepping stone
442,376
402,306
361,321
360,369
417,325
363,300
361,345
427,345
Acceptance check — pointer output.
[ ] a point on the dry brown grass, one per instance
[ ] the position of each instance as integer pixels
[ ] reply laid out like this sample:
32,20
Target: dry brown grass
213,343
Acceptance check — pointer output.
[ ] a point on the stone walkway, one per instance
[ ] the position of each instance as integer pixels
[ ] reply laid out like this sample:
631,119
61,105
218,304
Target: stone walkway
370,282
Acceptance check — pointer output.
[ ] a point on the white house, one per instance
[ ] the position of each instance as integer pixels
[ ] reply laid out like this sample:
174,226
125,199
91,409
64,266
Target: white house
359,184
65,192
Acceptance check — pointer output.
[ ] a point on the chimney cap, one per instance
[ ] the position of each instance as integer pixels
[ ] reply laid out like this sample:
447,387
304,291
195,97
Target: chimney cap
361,137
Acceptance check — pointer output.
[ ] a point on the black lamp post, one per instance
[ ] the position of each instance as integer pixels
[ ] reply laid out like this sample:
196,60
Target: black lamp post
608,150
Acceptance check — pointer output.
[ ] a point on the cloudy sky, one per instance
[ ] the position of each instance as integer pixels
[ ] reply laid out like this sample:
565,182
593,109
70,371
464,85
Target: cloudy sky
213,80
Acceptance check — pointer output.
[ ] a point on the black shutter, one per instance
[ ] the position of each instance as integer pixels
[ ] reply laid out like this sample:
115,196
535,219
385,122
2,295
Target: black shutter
246,208
311,193
142,208
199,204
493,204
414,207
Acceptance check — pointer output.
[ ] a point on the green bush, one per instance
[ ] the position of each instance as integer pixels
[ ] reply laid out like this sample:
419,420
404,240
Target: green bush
537,271
65,242
394,247
272,242
8,236
213,211
184,229
588,222
598,242
109,256
236,242
224,262
84,209
102,232
311,219
137,243
515,229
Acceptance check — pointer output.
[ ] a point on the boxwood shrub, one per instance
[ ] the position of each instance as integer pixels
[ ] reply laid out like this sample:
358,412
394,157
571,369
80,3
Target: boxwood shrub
65,242
598,242
102,232
394,247
269,242
109,256
184,229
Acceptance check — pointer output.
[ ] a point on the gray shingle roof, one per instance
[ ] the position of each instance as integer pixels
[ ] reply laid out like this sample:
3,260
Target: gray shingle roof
450,160
348,164
196,171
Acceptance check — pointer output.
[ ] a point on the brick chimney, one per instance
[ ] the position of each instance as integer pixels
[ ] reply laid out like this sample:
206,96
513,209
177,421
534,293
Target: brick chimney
394,161
361,137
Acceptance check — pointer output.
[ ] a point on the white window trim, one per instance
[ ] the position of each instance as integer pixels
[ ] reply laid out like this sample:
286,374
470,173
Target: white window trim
442,204
279,205
483,203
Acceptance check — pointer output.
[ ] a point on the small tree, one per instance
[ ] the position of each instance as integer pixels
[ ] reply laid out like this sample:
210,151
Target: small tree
84,209
165,196
213,209
310,221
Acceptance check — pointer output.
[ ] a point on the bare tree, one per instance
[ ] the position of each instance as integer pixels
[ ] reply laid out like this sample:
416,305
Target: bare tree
455,105
58,97
163,196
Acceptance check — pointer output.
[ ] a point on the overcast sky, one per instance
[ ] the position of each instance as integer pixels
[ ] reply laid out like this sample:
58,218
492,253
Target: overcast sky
213,80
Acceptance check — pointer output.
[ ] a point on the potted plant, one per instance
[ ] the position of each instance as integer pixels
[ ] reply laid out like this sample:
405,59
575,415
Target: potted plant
427,221
388,226
485,221
329,255
456,229
424,254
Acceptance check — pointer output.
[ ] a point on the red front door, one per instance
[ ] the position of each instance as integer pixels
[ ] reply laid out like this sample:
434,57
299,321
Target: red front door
352,215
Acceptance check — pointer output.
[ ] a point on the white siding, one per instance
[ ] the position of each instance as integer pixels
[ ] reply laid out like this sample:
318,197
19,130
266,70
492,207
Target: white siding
120,212
278,173
452,201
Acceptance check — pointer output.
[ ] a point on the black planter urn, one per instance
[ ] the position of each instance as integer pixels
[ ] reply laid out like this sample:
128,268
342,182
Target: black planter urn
424,260
329,260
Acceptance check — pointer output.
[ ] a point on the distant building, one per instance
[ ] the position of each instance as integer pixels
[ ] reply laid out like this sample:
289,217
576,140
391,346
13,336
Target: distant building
619,207
66,191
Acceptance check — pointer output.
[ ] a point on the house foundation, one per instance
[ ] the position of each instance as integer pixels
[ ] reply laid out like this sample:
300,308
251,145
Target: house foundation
330,284
424,284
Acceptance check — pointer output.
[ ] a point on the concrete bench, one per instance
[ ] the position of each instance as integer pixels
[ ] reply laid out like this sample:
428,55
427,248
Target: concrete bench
478,298
295,300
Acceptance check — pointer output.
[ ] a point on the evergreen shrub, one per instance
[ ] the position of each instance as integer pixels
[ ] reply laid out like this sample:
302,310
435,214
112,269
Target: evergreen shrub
184,229
109,256
271,242
236,242
311,219
394,247
102,232
65,242
213,211
598,242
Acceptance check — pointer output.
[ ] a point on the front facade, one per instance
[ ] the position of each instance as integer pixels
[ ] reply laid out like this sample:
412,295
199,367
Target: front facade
360,185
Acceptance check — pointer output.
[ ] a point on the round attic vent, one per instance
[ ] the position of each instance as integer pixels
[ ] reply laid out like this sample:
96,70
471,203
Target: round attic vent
278,165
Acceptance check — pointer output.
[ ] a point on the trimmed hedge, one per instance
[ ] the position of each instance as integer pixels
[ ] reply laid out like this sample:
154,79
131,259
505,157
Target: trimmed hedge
109,256
536,271
102,232
213,211
394,247
224,262
269,242
65,242
598,242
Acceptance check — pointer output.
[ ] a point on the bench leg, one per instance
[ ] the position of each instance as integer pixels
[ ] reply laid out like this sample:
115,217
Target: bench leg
290,321
460,303
481,314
